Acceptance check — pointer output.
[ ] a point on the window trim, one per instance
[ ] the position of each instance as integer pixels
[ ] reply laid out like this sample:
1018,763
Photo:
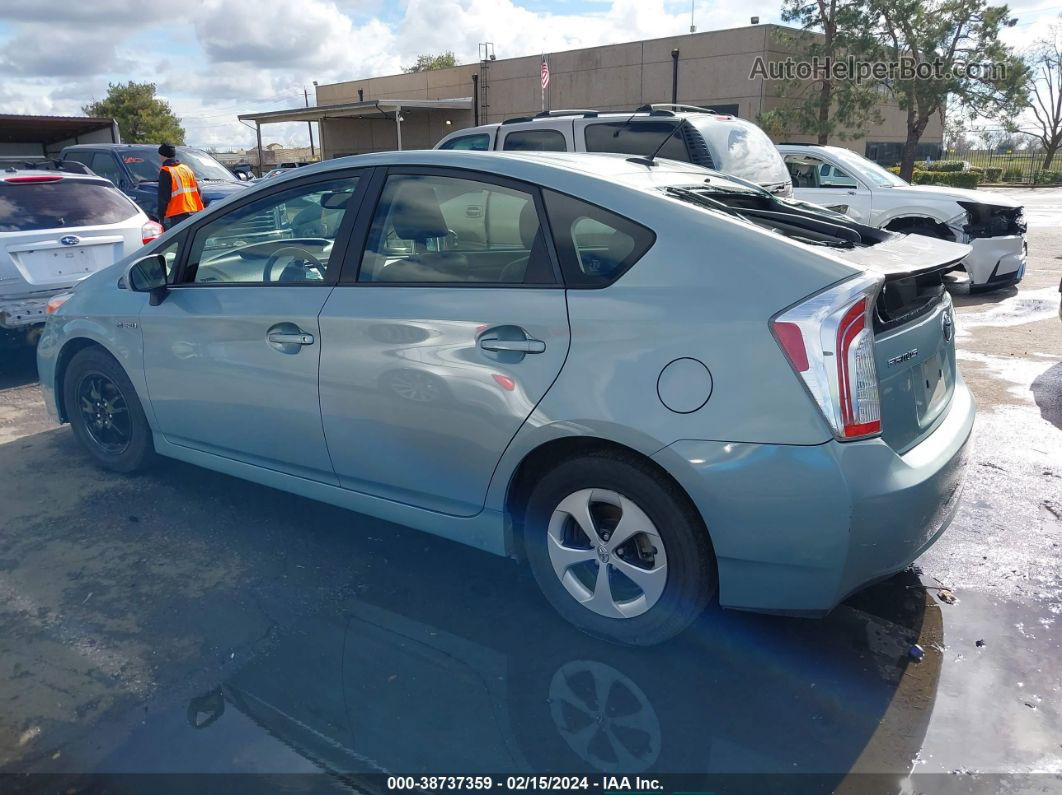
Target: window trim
360,236
340,247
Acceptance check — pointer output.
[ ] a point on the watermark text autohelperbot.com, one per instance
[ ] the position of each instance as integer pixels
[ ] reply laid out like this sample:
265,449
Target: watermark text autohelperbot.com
851,68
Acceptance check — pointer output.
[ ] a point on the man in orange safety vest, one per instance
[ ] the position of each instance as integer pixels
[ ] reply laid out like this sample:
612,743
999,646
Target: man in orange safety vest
179,195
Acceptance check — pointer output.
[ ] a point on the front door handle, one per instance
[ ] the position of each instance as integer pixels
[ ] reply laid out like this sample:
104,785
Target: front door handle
512,346
290,338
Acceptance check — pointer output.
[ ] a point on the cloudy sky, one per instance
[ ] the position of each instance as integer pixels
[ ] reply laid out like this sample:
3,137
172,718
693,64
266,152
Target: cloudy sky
213,59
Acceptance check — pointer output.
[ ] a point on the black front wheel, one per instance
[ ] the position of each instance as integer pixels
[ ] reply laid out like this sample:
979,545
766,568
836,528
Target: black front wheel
106,414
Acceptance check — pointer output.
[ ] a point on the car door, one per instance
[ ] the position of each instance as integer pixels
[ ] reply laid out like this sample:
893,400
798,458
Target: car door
231,355
449,328
821,181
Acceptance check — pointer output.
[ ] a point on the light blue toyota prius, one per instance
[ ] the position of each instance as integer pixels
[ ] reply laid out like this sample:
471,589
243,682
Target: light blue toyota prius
653,382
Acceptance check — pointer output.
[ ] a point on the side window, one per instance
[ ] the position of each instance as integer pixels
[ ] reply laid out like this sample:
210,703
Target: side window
636,138
104,165
283,238
596,246
833,177
450,230
476,143
85,158
535,141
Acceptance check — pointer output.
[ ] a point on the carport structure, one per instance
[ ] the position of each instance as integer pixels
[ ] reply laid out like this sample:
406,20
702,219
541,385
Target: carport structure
38,137
373,124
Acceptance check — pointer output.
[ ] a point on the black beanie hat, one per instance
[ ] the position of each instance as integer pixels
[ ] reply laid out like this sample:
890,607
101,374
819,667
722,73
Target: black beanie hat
168,150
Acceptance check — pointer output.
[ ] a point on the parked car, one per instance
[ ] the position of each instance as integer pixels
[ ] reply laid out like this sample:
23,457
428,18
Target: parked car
134,169
656,381
681,132
56,228
993,224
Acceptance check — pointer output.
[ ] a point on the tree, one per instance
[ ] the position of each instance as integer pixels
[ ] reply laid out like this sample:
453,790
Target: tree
937,39
824,106
142,117
429,63
1045,87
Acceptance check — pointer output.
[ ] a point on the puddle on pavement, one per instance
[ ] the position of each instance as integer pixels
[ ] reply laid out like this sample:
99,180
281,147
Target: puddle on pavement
1027,306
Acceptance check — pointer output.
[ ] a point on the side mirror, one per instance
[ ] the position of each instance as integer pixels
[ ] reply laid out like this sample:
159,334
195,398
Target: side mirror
148,275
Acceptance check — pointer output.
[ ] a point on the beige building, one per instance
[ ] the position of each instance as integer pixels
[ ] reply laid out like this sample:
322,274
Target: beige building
710,69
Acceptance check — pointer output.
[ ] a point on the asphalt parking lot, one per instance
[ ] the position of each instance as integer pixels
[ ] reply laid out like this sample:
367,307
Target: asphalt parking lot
185,621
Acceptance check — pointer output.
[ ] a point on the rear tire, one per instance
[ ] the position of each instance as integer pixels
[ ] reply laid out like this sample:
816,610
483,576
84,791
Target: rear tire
641,524
105,412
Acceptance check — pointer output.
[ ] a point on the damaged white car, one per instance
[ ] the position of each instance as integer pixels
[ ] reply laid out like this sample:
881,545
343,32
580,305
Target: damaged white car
992,224
56,228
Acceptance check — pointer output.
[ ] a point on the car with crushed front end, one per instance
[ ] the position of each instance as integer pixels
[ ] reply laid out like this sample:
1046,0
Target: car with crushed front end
653,382
992,224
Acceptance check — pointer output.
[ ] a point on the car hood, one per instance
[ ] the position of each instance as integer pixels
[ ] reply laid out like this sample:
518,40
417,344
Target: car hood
944,193
219,190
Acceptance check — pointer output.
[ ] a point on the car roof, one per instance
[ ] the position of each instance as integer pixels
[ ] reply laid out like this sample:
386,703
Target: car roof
606,115
549,169
64,175
153,147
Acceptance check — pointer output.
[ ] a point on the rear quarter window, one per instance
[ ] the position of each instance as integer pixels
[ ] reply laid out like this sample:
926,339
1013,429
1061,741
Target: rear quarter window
58,205
596,246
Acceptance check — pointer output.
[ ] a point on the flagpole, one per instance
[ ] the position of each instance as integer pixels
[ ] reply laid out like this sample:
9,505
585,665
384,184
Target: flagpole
542,83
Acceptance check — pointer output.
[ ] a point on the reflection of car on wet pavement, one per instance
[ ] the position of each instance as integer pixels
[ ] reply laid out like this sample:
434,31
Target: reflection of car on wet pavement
646,427
384,685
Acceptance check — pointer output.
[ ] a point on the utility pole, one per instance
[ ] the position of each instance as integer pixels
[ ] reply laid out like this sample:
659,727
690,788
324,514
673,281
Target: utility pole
309,124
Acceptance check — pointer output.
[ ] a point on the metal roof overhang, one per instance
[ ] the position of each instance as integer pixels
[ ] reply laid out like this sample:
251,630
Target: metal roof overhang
16,128
357,110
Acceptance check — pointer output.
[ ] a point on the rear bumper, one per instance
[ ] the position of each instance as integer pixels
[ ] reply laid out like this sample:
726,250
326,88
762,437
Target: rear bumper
21,311
797,529
996,261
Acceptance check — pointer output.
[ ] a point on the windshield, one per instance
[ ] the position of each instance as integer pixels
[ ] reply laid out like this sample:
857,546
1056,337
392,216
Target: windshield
870,170
145,164
742,149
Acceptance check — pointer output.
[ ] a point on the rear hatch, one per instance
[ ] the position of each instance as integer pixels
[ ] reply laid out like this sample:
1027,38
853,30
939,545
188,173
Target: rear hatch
914,339
55,232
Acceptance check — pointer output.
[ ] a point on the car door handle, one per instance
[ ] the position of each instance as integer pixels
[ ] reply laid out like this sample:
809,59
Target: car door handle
290,338
512,346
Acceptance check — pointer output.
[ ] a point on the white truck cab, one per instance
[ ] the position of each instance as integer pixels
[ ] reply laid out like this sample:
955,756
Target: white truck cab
681,132
992,224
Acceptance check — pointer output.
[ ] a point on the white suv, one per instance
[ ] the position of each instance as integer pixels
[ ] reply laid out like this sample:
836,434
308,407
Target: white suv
992,224
681,132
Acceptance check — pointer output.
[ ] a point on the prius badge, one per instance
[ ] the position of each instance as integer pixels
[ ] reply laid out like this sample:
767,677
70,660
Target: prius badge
903,357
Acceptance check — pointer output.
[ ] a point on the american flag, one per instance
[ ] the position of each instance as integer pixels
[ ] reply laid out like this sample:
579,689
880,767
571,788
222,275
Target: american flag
545,73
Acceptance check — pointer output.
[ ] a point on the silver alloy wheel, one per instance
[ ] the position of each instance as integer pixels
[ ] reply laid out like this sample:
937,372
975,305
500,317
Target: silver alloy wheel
601,544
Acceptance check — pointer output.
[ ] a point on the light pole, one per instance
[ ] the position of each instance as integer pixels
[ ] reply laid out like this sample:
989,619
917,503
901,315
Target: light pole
309,124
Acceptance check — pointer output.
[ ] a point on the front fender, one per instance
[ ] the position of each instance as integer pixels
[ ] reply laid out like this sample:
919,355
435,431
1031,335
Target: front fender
936,214
116,329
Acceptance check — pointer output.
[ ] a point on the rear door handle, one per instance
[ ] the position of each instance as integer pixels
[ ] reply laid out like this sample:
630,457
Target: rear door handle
512,346
290,338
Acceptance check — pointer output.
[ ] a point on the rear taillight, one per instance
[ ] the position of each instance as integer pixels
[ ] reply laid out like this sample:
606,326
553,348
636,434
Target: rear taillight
150,231
33,179
829,341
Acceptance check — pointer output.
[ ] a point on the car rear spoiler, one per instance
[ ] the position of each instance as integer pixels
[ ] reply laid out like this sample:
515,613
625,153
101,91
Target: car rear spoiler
906,255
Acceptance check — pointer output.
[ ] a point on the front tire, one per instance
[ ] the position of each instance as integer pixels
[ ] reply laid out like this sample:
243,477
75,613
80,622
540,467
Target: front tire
618,550
105,412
